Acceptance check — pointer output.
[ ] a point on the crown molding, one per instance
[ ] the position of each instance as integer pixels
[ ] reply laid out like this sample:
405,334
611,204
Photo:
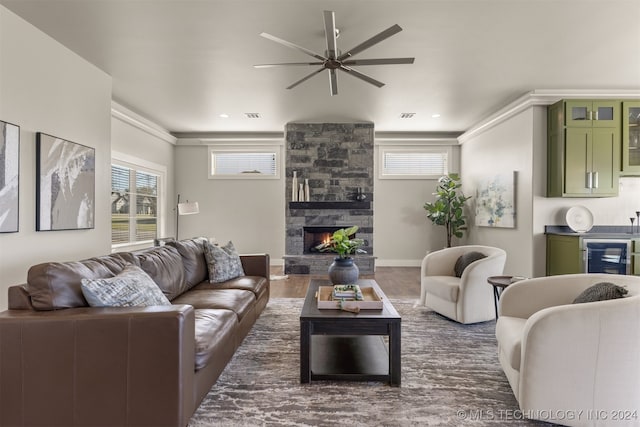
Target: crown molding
125,115
541,97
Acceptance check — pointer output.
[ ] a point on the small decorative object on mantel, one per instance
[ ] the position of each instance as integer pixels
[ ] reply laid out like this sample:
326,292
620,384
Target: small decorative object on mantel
360,196
307,195
343,270
301,193
294,187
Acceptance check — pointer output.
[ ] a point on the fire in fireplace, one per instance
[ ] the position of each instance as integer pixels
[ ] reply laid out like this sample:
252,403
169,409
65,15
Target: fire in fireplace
314,236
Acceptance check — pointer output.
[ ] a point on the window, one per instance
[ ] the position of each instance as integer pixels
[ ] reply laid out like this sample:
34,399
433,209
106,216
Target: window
134,205
252,163
414,163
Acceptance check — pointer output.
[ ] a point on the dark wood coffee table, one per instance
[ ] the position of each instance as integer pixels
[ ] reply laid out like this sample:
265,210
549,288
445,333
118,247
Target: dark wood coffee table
339,345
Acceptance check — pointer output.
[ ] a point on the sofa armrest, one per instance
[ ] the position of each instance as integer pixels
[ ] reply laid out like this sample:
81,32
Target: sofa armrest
582,357
256,265
81,366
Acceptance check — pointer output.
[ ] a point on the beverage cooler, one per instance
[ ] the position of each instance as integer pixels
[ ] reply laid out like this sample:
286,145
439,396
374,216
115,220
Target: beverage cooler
612,256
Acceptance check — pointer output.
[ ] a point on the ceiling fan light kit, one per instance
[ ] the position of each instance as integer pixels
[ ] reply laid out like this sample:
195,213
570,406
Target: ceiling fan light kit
334,60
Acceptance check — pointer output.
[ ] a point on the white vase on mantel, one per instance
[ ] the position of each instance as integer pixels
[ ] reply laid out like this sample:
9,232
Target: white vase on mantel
307,195
294,187
301,193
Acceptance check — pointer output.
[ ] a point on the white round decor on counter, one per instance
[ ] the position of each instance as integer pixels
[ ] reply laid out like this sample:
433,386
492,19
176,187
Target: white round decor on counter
579,219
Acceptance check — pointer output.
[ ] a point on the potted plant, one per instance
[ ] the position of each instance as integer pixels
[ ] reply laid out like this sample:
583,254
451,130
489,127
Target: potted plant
447,209
343,270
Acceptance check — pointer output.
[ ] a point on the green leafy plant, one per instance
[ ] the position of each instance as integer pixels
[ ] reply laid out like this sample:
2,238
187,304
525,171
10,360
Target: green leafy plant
342,243
447,209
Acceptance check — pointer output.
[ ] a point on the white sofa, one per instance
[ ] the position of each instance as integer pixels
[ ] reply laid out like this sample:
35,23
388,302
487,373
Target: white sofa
465,299
583,358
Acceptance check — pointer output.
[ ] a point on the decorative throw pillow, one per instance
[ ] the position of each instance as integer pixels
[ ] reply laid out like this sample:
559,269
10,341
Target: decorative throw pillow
601,292
464,261
132,287
223,262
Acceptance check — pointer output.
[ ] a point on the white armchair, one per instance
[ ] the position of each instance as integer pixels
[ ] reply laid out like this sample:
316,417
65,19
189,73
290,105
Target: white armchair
465,299
583,358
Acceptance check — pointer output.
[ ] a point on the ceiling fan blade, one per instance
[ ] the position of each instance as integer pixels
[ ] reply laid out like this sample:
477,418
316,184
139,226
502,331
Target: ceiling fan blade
286,63
305,78
372,41
333,82
362,76
293,46
330,33
382,61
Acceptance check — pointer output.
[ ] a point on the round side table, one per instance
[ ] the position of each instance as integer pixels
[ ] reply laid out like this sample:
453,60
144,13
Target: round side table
499,284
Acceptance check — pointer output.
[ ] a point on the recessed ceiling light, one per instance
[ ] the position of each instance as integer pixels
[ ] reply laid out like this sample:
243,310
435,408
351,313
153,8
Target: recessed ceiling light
435,115
407,115
252,115
224,116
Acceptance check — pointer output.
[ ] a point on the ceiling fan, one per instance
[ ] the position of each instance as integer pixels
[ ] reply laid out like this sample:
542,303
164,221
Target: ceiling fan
335,60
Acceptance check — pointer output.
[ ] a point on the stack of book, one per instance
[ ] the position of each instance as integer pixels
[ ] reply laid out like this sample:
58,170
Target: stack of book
347,293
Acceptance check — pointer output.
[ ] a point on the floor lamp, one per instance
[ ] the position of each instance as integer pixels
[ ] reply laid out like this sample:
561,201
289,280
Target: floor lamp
186,208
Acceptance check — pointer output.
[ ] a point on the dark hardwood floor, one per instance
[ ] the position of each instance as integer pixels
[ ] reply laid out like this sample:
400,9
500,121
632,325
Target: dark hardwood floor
396,282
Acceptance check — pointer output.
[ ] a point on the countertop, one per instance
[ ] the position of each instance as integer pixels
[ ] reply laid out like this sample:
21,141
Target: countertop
597,232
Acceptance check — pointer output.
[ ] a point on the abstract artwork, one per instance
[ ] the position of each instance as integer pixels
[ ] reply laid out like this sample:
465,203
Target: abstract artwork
495,201
9,176
65,184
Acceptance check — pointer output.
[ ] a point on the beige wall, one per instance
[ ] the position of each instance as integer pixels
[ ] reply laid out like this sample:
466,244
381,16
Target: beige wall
139,141
505,148
44,87
249,212
402,232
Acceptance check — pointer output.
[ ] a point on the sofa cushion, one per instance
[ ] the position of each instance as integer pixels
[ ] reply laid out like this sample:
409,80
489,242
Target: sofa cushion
195,265
464,260
239,301
223,262
445,287
509,332
164,265
132,287
255,284
214,328
601,292
57,285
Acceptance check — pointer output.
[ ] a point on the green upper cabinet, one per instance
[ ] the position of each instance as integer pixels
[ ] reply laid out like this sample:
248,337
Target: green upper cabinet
585,113
583,148
631,137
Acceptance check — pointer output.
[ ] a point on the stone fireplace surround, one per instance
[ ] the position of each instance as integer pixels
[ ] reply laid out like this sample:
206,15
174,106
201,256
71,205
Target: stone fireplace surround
337,159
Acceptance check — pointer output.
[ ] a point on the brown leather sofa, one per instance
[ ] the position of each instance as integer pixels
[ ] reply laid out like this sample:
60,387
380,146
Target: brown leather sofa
63,363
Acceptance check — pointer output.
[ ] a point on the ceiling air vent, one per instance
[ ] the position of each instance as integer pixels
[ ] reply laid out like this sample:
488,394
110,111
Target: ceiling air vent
252,115
407,115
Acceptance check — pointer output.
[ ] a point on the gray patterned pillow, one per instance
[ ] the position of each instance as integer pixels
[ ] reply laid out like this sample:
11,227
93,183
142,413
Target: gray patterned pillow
601,292
132,287
223,262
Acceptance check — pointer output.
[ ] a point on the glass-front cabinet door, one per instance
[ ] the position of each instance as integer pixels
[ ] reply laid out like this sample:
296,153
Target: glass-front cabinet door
631,137
585,113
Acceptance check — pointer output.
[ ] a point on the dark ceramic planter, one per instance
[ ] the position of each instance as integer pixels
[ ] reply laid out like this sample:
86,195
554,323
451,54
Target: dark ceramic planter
343,271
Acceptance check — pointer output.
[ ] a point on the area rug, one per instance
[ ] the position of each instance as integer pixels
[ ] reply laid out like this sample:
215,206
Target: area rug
450,377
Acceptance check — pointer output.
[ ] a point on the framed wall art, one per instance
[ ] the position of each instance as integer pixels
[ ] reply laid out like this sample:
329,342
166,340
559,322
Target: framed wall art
9,177
65,184
495,201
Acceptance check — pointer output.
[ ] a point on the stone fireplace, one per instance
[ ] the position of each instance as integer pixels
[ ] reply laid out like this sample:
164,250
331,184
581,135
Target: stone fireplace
337,161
